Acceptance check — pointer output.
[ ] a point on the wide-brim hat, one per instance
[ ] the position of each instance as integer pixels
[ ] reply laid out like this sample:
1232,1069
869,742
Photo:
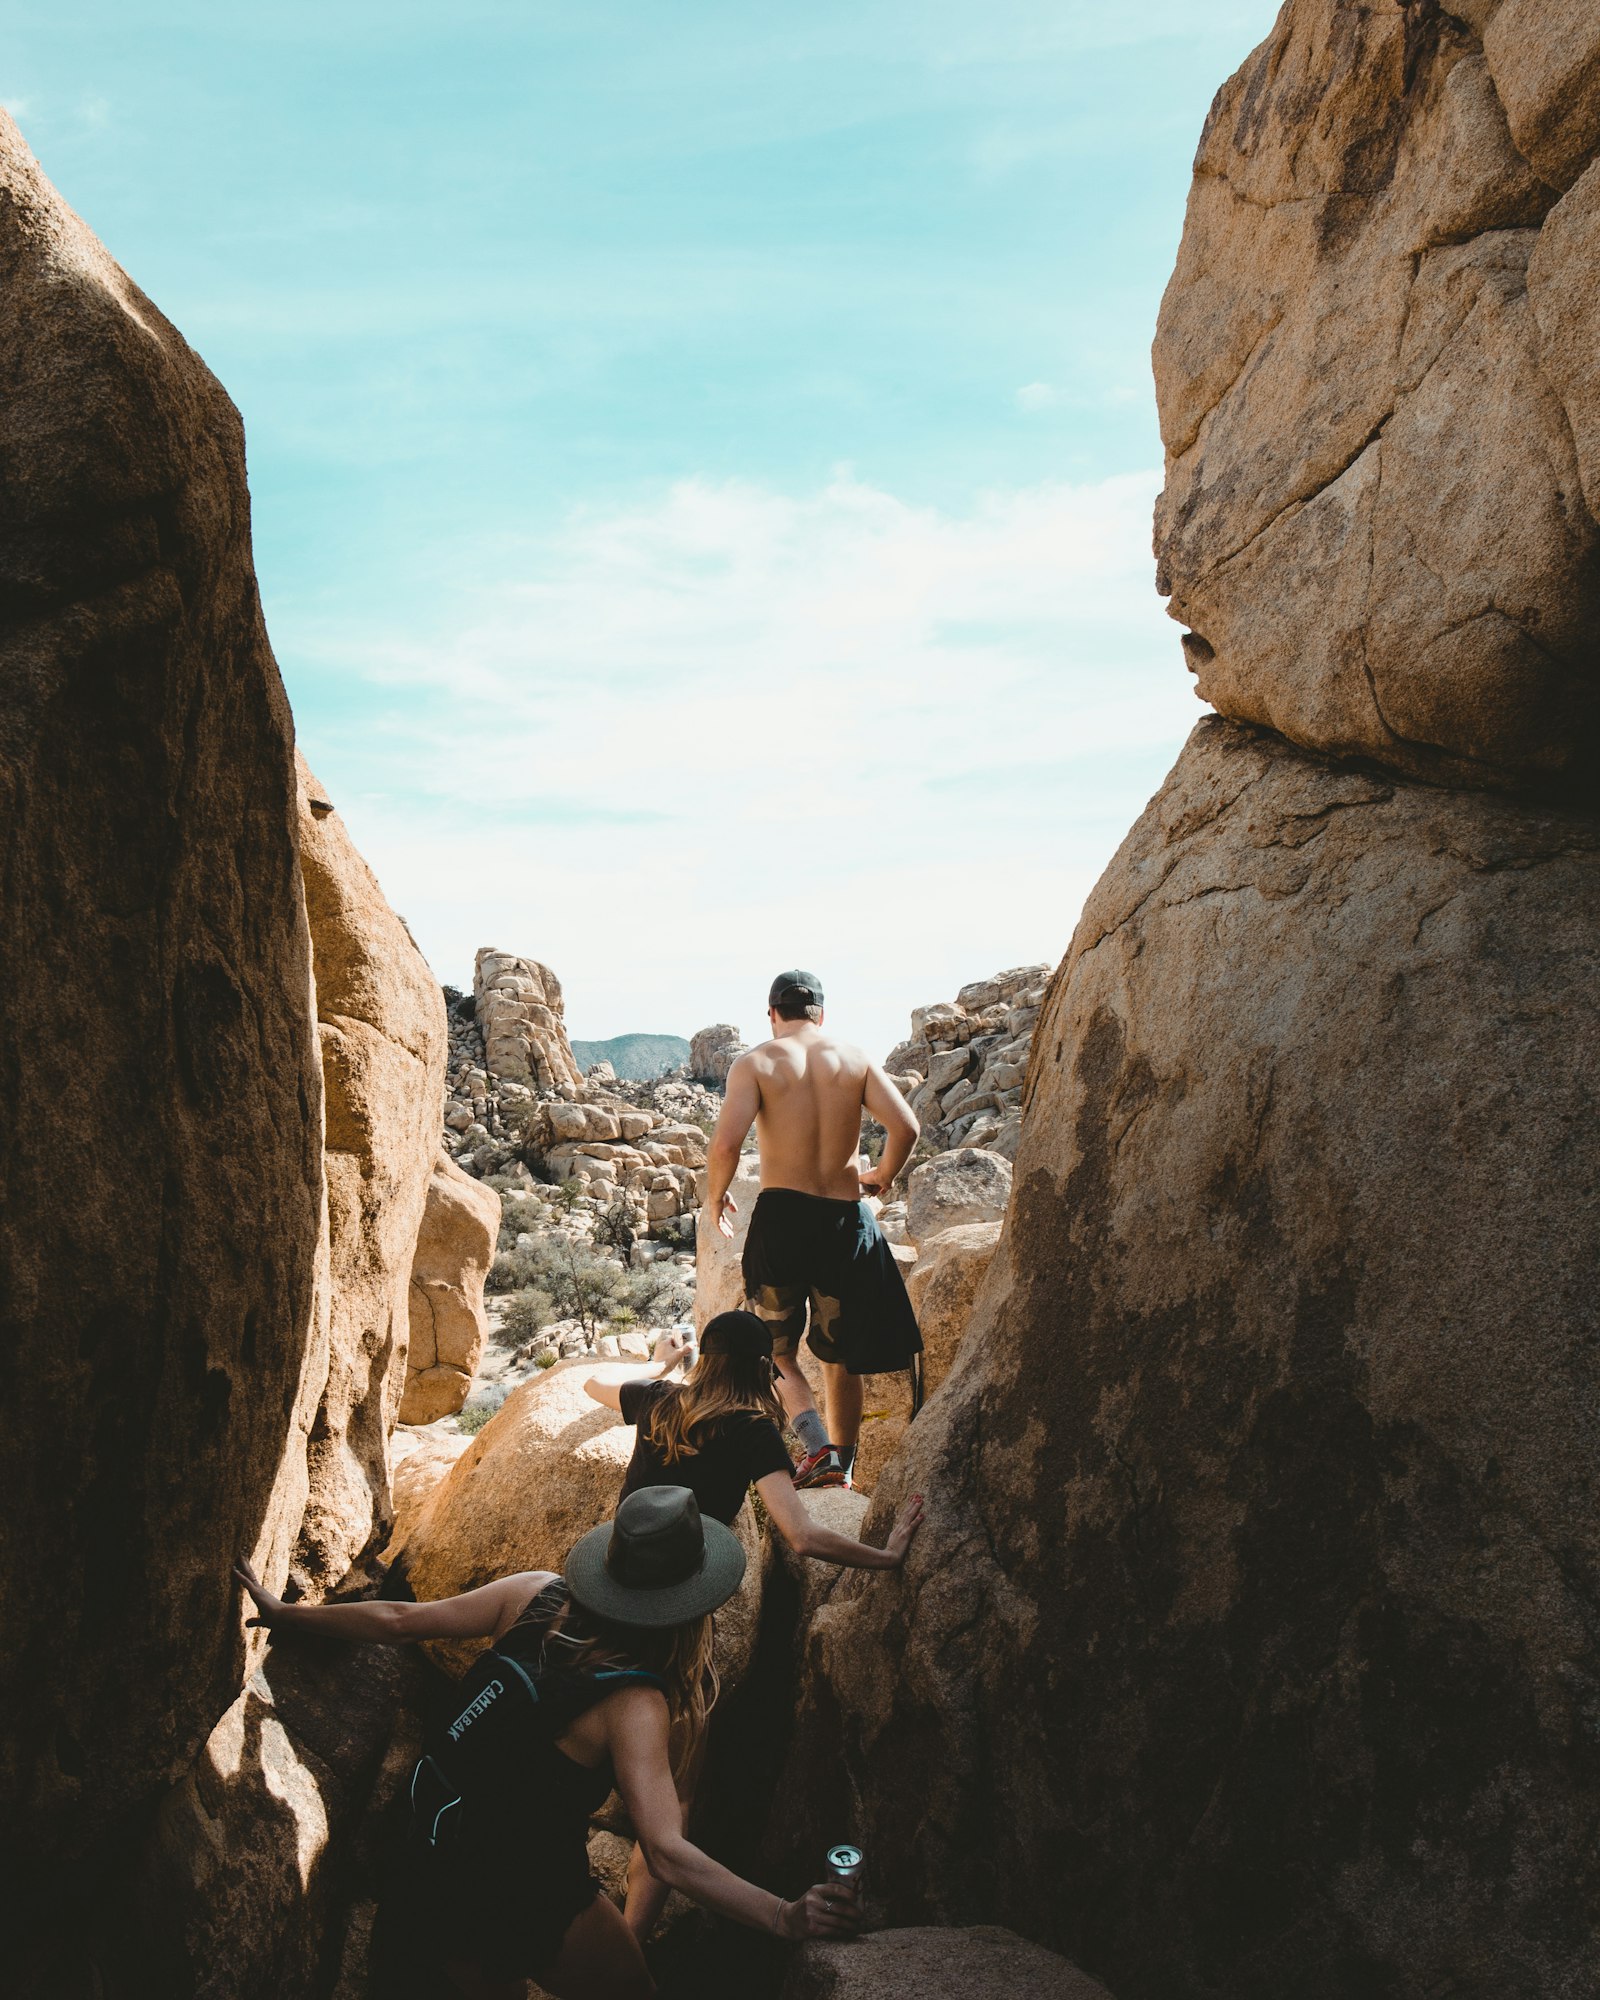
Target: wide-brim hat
658,1563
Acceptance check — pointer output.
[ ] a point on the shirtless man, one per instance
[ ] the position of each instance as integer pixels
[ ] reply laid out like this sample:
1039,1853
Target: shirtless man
813,1242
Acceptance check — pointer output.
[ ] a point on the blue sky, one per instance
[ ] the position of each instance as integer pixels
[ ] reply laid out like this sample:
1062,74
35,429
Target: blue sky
701,455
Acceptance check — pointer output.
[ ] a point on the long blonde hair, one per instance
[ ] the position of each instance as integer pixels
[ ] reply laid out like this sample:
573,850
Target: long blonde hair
718,1386
679,1655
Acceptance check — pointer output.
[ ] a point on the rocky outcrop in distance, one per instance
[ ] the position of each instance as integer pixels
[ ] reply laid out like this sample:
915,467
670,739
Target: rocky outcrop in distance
636,1146
713,1052
521,1016
963,1068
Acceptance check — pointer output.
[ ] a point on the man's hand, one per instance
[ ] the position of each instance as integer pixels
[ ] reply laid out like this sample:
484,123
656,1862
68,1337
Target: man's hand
728,1207
876,1183
906,1524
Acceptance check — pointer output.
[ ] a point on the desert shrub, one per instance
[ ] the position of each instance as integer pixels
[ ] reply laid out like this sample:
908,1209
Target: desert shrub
615,1226
571,1192
478,1409
622,1318
514,1270
519,1213
527,1313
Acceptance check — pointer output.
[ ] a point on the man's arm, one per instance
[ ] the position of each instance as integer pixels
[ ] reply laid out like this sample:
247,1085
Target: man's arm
900,1127
739,1108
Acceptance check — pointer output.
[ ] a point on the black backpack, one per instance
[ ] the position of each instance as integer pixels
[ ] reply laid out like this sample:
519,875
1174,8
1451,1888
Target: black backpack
500,1710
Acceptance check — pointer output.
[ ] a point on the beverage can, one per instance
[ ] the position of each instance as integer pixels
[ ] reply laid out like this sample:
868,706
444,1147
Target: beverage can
844,1863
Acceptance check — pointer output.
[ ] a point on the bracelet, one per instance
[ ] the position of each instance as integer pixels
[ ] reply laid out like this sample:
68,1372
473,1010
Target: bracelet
777,1917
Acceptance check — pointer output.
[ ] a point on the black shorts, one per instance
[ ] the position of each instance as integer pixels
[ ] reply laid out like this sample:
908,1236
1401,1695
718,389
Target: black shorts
806,1254
440,1908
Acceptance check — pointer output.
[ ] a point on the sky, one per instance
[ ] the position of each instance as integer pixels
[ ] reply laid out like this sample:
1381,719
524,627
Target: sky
701,456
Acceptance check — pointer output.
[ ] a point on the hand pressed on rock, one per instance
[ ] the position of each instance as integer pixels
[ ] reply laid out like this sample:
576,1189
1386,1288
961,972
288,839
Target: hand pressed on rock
270,1607
729,1207
906,1524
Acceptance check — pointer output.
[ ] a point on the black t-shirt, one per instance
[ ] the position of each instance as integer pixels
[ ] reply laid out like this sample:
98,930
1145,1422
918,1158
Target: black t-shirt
740,1450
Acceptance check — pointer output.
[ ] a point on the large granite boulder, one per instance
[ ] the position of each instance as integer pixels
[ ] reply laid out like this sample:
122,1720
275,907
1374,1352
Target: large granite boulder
161,1158
454,1249
983,1963
1375,367
523,1020
719,1281
952,1189
380,1020
1247,1646
713,1052
943,1284
545,1469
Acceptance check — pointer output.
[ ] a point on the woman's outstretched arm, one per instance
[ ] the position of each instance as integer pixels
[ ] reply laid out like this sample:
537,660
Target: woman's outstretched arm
809,1538
636,1730
475,1614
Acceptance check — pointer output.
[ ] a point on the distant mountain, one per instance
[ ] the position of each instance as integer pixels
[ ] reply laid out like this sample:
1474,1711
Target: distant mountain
635,1056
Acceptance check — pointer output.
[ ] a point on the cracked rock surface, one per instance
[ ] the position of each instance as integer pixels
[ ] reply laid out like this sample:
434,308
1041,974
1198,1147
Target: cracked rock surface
1248,1633
1375,370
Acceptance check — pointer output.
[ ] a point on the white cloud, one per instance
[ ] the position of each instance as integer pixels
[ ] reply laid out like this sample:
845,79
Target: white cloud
728,724
1038,396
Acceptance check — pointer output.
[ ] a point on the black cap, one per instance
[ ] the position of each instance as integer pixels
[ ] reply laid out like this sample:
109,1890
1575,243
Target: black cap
795,988
739,1335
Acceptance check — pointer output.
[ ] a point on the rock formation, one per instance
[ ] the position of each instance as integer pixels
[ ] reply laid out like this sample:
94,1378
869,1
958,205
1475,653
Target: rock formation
713,1052
964,1067
1239,1476
380,1021
454,1249
1378,394
523,1022
930,1964
161,1159
634,1144
1245,1648
970,1185
943,1284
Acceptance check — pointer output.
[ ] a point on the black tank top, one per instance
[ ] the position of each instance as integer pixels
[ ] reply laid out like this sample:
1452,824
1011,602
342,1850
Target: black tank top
497,1750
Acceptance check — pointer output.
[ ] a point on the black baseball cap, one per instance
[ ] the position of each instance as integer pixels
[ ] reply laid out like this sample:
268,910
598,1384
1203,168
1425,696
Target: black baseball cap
739,1335
795,986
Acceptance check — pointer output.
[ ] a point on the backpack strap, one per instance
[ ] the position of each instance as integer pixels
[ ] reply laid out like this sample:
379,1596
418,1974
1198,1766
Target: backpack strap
628,1676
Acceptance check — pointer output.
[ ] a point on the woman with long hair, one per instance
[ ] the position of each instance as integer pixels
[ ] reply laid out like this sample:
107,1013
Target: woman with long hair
597,1677
718,1433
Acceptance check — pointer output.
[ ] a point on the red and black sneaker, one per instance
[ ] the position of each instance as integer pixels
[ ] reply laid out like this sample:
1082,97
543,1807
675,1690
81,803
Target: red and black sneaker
822,1468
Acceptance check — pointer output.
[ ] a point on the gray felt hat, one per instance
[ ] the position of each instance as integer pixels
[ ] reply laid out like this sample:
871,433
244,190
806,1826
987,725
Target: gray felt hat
658,1563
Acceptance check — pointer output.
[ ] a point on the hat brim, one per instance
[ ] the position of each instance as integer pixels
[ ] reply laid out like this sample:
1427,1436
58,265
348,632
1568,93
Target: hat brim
720,1574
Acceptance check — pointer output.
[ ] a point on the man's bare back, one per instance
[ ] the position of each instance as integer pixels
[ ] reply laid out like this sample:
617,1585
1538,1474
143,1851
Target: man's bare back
804,1091
810,1088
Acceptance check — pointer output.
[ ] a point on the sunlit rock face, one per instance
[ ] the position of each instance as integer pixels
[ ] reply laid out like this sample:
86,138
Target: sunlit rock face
1246,1646
380,1024
1378,391
161,1148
